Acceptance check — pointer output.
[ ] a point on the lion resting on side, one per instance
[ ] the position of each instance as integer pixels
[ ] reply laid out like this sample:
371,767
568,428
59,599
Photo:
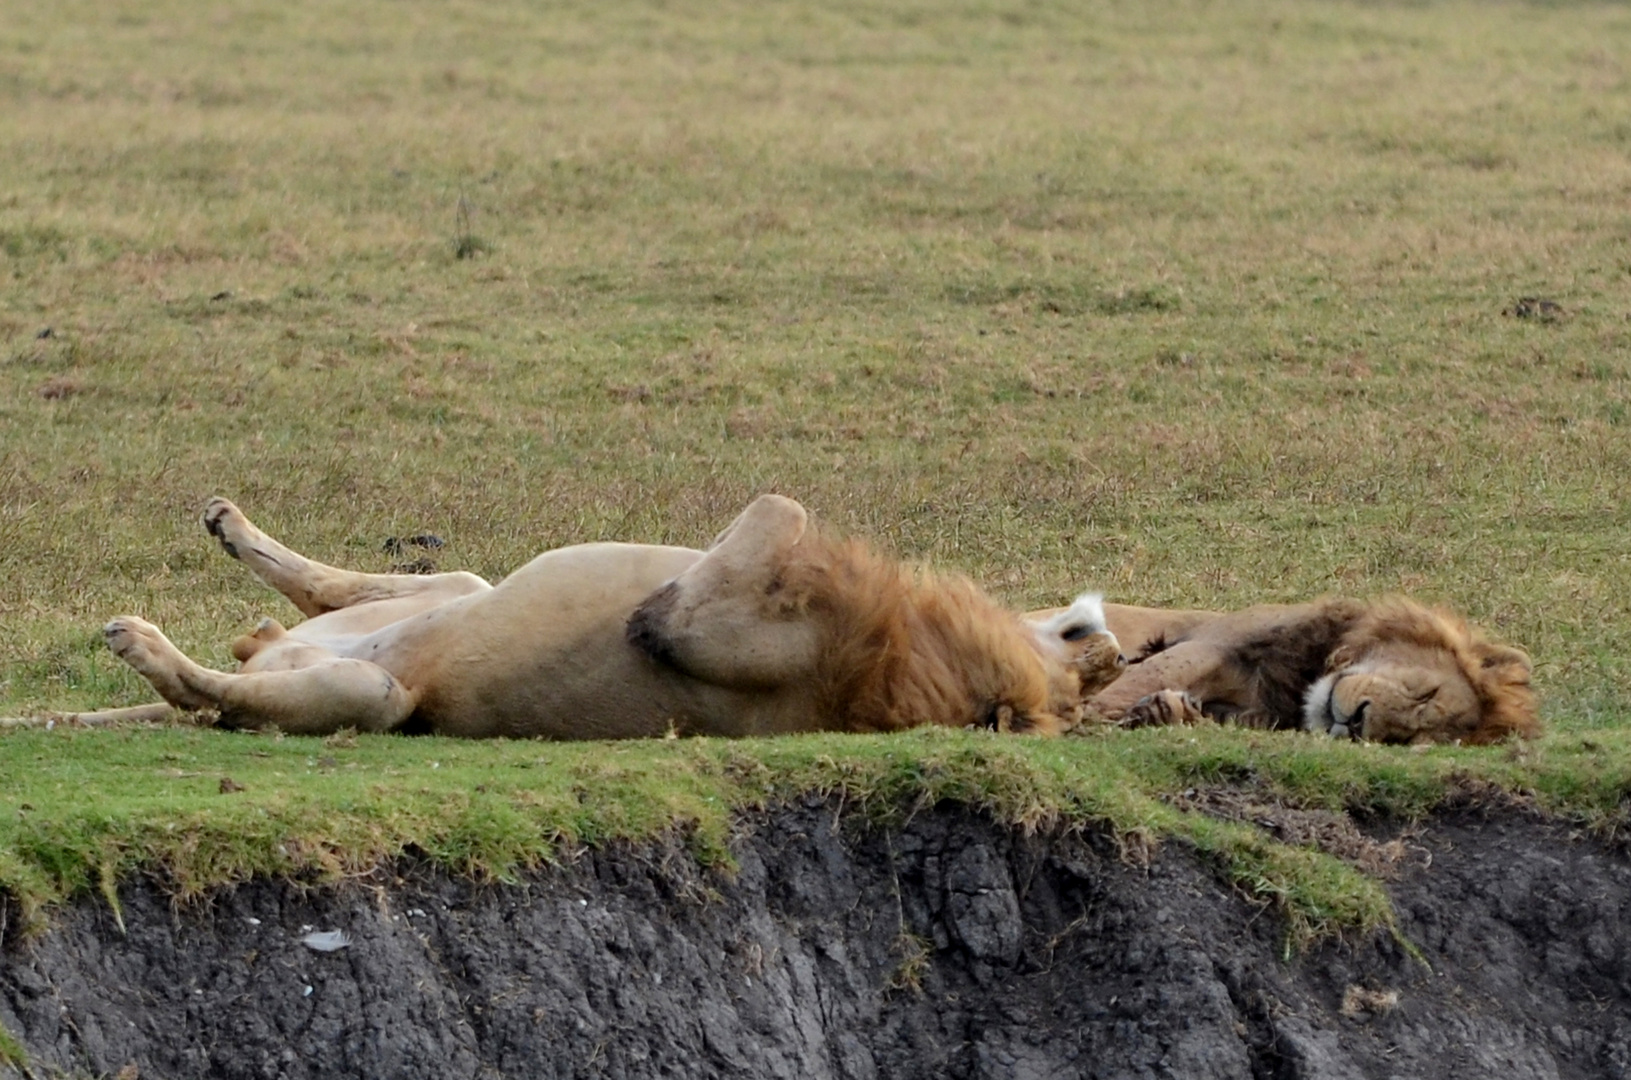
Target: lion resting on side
775,628
1384,671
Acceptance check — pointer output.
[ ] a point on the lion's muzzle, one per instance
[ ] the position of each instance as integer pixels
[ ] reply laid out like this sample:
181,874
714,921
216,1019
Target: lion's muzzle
1325,712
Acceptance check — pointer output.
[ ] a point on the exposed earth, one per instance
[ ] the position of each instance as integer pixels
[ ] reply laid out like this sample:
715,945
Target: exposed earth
947,947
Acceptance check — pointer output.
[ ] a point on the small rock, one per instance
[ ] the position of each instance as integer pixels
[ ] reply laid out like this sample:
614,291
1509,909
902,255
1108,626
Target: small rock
326,940
394,544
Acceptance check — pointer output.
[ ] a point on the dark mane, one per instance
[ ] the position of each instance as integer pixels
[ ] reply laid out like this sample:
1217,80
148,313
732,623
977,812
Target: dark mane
1285,658
1157,644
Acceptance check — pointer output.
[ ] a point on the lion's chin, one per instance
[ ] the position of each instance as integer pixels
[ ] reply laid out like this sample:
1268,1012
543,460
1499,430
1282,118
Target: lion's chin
1319,709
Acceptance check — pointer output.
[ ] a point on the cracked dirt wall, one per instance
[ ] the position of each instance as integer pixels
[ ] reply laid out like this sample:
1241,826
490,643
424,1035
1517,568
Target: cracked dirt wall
947,947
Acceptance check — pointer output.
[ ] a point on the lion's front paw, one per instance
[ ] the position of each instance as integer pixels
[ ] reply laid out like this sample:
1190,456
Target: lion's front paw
226,523
1164,708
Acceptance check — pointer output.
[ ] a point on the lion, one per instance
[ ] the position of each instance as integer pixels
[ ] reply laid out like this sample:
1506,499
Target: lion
1390,671
777,627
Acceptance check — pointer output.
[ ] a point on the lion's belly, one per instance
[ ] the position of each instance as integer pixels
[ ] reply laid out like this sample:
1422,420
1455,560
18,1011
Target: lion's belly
544,654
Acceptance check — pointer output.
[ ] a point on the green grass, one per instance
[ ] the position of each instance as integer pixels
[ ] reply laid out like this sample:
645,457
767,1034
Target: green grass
1199,304
84,808
12,1052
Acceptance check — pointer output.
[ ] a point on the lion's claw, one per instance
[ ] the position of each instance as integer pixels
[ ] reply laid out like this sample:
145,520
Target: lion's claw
1164,708
216,511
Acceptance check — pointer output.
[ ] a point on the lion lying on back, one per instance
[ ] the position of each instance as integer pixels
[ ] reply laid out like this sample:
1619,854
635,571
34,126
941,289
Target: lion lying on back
775,628
1385,671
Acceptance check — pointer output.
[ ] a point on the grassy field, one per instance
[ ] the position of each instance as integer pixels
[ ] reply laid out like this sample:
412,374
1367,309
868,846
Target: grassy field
1196,303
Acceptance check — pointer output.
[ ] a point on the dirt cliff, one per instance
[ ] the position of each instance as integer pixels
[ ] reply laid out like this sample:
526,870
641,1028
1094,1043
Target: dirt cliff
946,947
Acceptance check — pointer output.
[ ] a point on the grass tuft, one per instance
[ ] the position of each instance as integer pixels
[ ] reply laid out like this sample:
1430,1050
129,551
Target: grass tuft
13,1053
466,244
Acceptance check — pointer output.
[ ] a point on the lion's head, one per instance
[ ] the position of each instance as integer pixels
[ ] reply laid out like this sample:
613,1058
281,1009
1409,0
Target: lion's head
1087,657
1404,673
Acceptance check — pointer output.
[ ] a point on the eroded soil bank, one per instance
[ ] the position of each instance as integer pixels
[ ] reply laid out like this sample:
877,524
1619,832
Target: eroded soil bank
949,947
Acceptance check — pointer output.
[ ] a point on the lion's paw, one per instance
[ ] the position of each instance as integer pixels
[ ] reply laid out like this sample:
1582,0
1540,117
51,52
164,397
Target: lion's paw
226,523
1164,708
131,639
141,645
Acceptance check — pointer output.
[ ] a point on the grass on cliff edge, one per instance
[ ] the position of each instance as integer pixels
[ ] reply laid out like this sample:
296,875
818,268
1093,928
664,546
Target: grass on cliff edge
201,809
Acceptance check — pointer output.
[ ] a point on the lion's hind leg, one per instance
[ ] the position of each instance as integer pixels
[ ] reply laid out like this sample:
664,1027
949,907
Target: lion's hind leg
313,587
141,645
315,699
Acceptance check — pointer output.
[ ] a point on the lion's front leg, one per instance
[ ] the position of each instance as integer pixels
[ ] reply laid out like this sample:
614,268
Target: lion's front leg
1164,708
722,620
1186,669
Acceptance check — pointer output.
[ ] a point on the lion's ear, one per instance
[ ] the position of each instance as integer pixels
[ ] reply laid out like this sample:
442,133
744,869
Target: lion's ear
1342,656
1506,663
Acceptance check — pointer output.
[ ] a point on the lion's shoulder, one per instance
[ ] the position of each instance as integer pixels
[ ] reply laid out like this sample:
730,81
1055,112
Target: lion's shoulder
1274,652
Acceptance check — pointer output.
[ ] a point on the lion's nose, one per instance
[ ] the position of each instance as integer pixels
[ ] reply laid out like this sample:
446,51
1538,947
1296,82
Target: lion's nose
1356,722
